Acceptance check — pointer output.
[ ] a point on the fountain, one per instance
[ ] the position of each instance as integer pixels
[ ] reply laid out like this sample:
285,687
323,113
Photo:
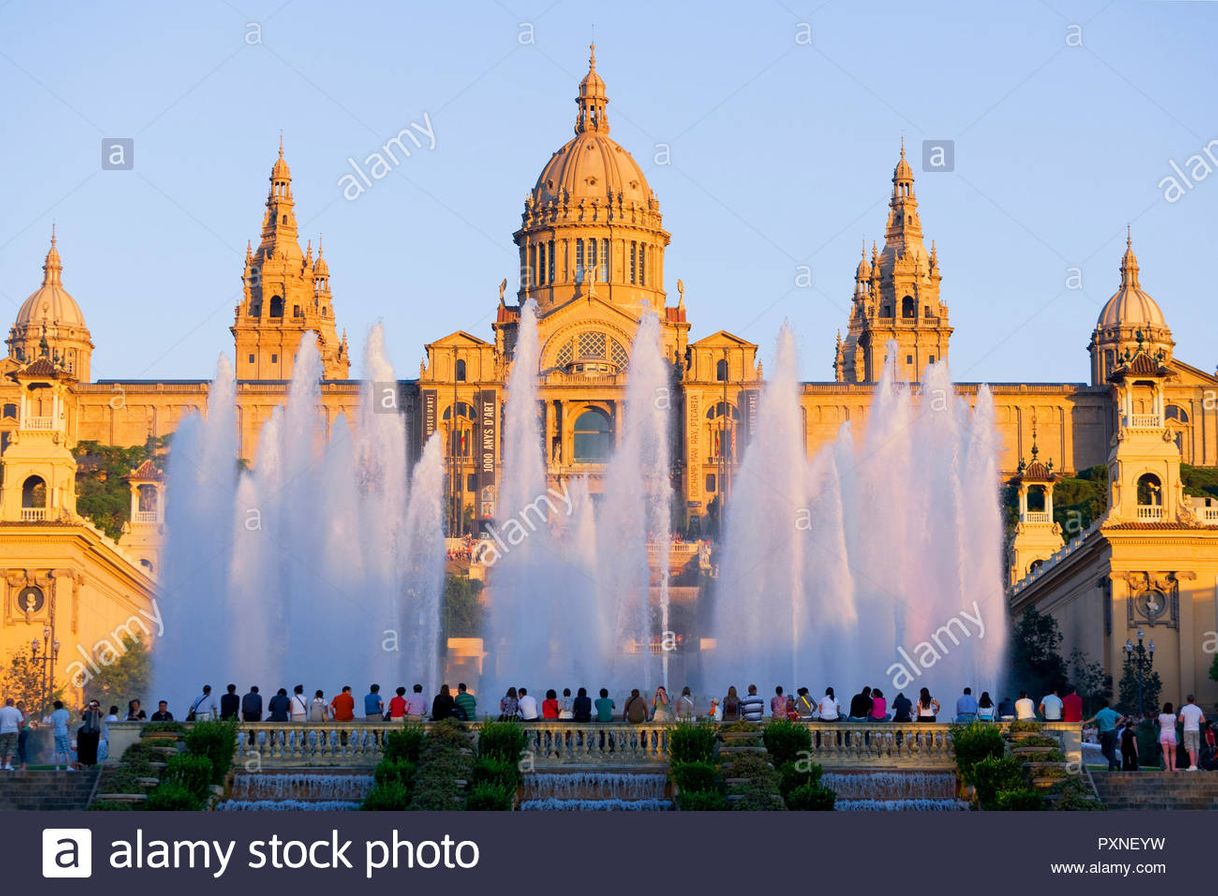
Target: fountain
320,564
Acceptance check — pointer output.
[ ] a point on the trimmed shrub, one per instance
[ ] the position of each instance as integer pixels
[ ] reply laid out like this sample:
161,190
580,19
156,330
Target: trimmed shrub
450,732
405,743
490,797
701,801
691,742
192,772
975,742
1024,726
749,765
1073,795
502,740
497,772
696,776
400,771
787,741
792,775
1024,799
170,797
388,796
216,741
811,798
992,775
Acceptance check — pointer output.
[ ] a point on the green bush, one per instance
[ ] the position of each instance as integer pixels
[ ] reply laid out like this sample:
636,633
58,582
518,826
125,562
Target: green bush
701,801
192,772
449,731
405,743
990,776
787,741
1022,727
501,773
691,742
502,740
1024,799
400,771
974,742
811,798
389,796
169,797
1073,795
749,765
792,775
216,741
490,797
163,728
696,776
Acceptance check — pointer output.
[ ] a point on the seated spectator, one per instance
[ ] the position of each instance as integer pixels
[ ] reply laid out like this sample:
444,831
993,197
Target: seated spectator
986,710
581,708
752,707
860,706
549,706
829,710
1051,706
902,708
879,707
1006,710
1025,709
966,707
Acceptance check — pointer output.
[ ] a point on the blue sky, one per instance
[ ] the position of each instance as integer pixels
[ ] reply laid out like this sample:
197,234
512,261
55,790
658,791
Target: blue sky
781,154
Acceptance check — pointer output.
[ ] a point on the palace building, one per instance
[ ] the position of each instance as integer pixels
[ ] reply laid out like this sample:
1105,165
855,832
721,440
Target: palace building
592,246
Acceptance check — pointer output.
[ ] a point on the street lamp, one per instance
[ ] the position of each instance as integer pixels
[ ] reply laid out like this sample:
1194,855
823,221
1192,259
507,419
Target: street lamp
1142,658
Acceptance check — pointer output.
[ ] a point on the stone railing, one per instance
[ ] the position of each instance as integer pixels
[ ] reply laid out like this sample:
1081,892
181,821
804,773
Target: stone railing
563,744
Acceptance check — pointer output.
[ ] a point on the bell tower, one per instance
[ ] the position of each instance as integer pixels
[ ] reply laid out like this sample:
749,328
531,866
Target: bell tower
1037,536
286,293
39,469
896,297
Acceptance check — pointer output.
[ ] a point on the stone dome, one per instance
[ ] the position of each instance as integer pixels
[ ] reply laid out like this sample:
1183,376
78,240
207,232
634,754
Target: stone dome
1130,305
50,304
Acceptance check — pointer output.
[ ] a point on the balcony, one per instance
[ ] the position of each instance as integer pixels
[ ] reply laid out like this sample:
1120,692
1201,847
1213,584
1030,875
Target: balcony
41,423
1143,421
1150,512
1037,516
33,514
146,516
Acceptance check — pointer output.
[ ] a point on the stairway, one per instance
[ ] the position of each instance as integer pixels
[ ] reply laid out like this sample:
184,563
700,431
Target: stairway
46,791
1157,790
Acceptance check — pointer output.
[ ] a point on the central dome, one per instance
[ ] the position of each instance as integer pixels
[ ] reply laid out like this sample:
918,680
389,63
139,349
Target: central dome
1130,305
50,304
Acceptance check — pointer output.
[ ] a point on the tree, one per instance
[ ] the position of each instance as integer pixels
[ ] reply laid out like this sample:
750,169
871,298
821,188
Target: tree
23,681
127,678
462,608
1036,661
1128,687
1090,680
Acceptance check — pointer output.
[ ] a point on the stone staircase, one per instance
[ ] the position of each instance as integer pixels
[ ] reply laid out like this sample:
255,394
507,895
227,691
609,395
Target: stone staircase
1157,790
46,791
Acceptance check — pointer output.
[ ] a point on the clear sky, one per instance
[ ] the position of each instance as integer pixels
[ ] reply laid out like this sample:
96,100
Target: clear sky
781,154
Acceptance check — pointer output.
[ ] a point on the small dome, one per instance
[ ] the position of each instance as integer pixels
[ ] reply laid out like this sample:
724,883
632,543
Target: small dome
1130,305
50,304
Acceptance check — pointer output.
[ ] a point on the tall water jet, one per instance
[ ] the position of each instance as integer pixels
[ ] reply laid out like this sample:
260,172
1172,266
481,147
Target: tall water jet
637,512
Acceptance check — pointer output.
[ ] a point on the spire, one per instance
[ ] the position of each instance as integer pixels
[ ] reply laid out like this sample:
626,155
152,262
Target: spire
904,230
52,268
279,234
592,99
1129,264
1035,449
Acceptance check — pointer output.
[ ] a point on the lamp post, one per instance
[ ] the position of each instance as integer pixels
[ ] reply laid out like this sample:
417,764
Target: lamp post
45,654
1142,658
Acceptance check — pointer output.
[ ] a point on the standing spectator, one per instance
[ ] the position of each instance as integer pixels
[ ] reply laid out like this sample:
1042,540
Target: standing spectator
280,707
928,706
685,706
467,704
1072,705
398,705
966,707
1191,716
300,706
443,706
230,704
89,734
135,712
342,707
986,710
549,706
902,708
1006,710
103,748
59,728
879,707
251,706
1106,721
778,704
374,704
752,707
1025,709
204,707
860,706
23,737
528,706
1051,705
1167,737
661,706
416,705
635,711
509,706
605,706
564,705
162,713
10,727
581,708
829,709
1129,747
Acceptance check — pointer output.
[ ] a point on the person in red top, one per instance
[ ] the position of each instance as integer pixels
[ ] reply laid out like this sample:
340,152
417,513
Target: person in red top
342,707
397,704
549,706
1072,707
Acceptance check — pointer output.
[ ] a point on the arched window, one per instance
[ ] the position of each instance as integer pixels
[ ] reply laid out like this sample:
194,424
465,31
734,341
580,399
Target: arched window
276,306
460,370
147,498
1177,413
593,437
1150,490
909,308
721,370
34,492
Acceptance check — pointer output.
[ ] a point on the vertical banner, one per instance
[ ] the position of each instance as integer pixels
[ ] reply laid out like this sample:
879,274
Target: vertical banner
488,417
429,413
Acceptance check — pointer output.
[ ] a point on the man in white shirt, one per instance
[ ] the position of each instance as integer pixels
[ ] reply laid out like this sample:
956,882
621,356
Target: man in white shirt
527,706
204,706
1192,717
10,725
1051,707
1025,709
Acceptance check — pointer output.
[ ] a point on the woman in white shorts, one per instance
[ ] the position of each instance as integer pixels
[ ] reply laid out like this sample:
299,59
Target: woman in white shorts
1167,737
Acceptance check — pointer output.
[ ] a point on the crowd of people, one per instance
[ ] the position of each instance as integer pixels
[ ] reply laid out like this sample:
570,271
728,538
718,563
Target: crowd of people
1173,728
85,746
